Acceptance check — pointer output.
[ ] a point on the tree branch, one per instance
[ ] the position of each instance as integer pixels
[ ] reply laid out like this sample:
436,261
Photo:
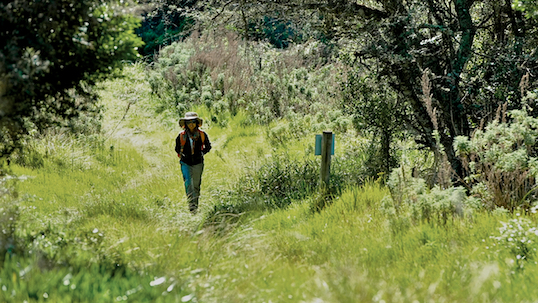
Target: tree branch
343,9
222,10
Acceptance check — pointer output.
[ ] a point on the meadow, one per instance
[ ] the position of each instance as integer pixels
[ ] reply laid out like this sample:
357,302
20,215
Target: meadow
103,218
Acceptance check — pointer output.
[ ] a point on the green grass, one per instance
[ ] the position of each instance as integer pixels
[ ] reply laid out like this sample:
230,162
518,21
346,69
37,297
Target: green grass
115,226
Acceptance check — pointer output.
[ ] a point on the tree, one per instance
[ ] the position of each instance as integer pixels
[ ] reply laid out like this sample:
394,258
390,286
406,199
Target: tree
51,54
476,53
380,114
269,20
529,7
164,22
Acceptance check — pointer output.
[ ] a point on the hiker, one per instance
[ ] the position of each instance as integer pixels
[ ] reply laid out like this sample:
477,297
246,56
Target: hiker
191,146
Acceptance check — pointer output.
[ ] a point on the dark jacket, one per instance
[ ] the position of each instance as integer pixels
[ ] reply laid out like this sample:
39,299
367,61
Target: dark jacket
200,149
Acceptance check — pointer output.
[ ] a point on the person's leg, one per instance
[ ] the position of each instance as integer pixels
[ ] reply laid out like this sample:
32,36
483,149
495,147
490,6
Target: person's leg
196,174
186,170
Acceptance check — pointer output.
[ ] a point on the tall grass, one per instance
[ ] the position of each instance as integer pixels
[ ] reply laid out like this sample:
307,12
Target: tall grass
358,257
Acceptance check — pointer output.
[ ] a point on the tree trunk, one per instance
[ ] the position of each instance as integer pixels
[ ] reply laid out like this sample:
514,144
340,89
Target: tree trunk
386,138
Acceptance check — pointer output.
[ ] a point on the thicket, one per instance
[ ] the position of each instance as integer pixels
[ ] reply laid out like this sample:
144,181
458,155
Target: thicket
501,159
476,52
219,71
283,89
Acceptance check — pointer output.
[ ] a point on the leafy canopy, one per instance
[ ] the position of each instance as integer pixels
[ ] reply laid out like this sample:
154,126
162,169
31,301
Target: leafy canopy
51,53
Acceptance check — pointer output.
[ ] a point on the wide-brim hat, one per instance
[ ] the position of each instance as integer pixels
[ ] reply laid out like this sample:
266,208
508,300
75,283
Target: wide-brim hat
189,116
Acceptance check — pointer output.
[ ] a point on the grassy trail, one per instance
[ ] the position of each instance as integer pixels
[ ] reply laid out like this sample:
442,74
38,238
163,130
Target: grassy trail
129,193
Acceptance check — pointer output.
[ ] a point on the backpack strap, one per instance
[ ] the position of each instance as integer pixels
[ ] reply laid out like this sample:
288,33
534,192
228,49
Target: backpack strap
183,139
202,136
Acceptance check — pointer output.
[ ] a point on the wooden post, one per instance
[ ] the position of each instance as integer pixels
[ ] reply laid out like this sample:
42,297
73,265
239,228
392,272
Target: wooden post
326,146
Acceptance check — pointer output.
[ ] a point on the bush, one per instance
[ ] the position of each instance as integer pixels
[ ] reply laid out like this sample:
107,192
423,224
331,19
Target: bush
53,53
209,69
281,180
501,161
411,197
277,182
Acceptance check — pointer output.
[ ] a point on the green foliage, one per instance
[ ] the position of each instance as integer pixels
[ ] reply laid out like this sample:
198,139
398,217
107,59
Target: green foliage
66,151
9,215
216,70
415,258
281,180
375,108
440,205
474,52
120,228
411,198
264,20
57,150
350,165
520,238
25,280
470,48
501,160
275,183
52,52
163,24
277,32
529,7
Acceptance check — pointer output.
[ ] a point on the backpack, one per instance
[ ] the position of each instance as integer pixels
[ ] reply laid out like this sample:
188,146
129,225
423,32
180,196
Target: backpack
183,139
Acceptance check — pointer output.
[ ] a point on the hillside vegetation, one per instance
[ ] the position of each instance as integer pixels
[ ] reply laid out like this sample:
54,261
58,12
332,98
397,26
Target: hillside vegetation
102,216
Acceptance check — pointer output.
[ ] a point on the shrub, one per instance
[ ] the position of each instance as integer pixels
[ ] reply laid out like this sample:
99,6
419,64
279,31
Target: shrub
209,69
440,204
280,180
501,161
411,197
273,184
349,167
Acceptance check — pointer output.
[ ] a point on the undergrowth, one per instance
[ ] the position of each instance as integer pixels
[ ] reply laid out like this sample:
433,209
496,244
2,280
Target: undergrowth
281,180
502,160
212,70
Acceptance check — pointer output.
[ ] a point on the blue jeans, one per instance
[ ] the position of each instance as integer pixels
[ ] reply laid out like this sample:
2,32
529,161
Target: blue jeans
192,175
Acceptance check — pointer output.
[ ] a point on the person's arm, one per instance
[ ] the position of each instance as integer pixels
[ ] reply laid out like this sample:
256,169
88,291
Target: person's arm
207,144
